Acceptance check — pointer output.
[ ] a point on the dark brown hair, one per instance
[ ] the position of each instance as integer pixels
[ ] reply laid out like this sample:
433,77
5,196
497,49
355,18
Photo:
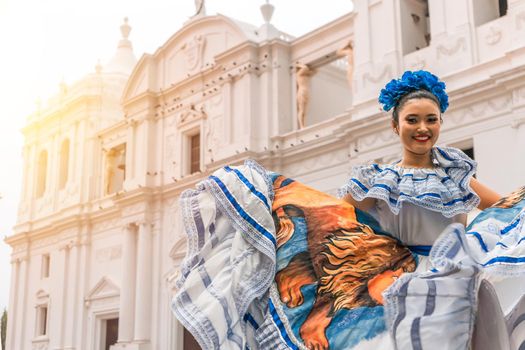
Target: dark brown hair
417,94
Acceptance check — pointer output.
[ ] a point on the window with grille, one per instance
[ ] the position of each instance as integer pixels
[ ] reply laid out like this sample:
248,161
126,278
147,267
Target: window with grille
195,153
41,320
46,260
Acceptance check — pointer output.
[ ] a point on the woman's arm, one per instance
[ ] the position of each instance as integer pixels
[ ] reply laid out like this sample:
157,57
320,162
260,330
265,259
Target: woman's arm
486,194
363,205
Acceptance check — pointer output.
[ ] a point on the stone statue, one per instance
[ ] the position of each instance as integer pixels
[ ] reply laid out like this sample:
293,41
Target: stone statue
200,8
302,77
111,167
348,51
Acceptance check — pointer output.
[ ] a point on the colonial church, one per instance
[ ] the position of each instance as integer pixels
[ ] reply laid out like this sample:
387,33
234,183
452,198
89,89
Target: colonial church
98,240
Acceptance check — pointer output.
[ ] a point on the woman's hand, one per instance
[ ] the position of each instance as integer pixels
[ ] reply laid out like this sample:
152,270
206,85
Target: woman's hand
486,194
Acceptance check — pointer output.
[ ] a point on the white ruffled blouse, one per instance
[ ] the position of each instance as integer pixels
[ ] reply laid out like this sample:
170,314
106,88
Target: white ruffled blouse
416,204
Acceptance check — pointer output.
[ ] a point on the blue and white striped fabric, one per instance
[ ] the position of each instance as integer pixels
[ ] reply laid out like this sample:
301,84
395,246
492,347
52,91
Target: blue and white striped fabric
230,261
225,290
445,300
444,189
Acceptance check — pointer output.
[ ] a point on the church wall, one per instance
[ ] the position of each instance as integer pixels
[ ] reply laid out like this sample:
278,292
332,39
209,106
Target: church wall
240,123
493,161
520,147
330,94
248,113
106,256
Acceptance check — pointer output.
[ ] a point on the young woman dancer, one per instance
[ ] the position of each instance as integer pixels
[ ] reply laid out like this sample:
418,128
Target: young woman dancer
272,264
416,198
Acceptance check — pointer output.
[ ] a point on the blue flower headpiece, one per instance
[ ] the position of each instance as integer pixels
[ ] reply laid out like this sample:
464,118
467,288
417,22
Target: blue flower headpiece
412,81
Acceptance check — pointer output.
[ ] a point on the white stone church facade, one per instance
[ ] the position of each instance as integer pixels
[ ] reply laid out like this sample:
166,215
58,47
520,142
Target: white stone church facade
98,239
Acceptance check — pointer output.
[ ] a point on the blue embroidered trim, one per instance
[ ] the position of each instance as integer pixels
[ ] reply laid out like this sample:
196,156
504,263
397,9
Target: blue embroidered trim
462,199
252,164
420,249
445,189
510,227
249,318
241,211
250,186
505,259
402,194
277,321
480,240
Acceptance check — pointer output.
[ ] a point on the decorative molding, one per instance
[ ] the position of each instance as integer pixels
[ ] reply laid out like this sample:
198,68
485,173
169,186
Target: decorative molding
54,239
518,96
494,35
378,78
189,115
520,20
107,254
376,139
42,296
517,122
500,103
136,208
482,109
40,343
322,161
418,63
105,289
193,51
105,225
452,49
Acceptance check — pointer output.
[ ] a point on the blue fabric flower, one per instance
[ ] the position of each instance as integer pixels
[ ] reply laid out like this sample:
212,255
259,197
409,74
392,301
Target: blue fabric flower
412,81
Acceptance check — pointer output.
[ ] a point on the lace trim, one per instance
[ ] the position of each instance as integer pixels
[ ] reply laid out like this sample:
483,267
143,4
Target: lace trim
260,285
444,189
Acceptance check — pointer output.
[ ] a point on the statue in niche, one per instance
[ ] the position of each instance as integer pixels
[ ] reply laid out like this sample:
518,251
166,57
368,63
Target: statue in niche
302,77
200,8
111,166
115,170
348,51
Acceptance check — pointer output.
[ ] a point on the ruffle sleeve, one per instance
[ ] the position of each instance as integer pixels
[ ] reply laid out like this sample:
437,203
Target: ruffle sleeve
444,188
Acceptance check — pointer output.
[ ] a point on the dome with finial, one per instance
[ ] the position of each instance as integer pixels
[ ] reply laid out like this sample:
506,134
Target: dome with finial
124,59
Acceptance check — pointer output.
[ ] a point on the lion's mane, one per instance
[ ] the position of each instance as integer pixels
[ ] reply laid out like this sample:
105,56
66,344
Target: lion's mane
353,258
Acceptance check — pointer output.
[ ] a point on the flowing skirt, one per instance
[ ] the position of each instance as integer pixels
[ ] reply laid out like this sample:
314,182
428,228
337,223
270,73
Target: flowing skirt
274,264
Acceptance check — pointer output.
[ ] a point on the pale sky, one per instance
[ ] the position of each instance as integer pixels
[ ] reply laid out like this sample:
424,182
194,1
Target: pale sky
44,42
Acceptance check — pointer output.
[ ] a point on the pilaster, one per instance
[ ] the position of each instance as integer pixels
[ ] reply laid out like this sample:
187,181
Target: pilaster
127,294
143,304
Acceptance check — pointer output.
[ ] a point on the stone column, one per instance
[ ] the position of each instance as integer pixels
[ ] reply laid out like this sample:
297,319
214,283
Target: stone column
71,282
58,290
83,288
143,284
127,289
13,304
20,340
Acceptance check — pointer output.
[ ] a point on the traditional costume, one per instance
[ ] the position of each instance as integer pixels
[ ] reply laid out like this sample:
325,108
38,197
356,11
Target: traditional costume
274,264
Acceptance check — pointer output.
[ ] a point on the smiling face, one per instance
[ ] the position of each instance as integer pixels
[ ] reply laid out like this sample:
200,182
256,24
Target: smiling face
418,127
